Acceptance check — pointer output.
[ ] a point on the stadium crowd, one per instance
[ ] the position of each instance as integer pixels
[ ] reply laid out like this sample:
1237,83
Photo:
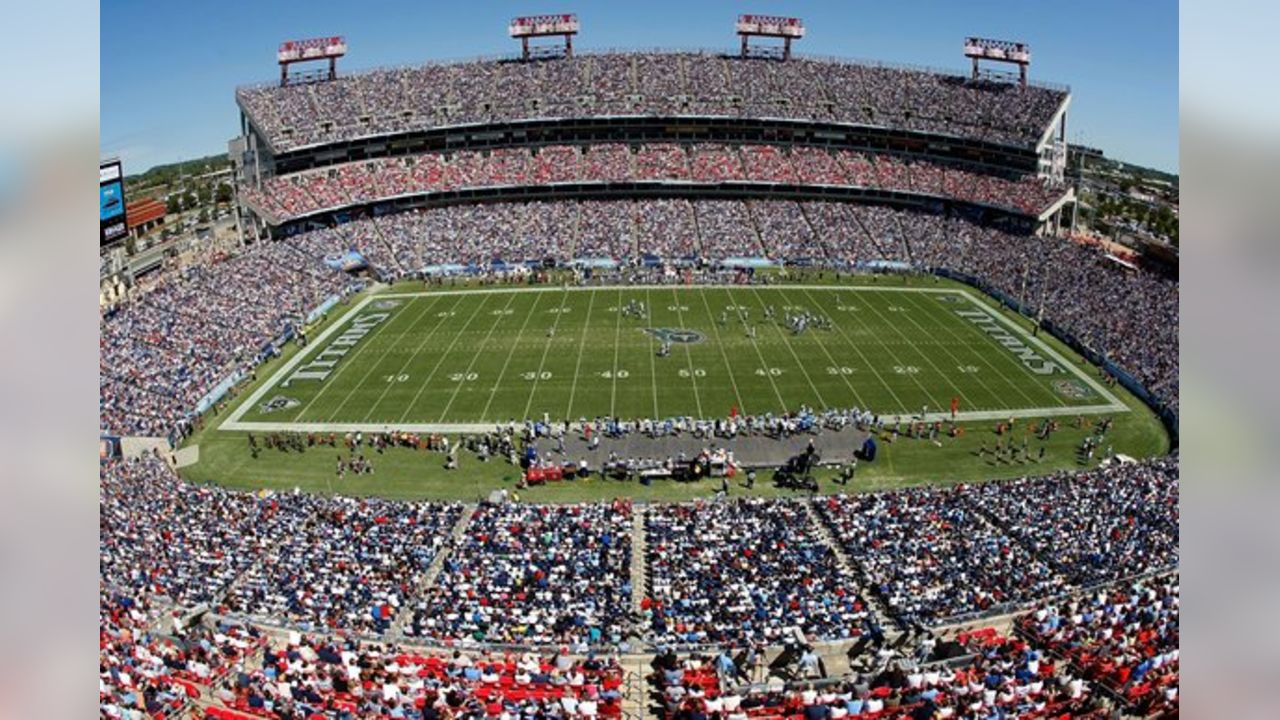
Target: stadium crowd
646,83
350,566
168,344
938,553
735,570
997,676
533,574
1123,637
296,195
931,556
174,339
744,570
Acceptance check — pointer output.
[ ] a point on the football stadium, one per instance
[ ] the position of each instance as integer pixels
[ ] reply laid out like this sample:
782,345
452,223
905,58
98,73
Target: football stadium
729,383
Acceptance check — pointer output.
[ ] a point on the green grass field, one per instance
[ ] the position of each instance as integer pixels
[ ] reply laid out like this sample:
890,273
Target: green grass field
459,358
854,363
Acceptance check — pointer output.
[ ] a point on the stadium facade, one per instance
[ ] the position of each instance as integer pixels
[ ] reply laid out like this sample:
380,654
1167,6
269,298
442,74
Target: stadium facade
944,122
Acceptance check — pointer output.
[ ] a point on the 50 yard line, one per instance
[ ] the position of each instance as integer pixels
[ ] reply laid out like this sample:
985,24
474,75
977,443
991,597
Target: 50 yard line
742,407
688,353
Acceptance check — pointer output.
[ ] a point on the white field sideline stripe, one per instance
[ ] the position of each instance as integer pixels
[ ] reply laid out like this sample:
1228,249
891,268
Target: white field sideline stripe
590,288
965,416
234,423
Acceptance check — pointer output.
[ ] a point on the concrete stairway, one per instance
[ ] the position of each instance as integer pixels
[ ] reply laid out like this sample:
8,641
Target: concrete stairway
639,545
433,571
847,566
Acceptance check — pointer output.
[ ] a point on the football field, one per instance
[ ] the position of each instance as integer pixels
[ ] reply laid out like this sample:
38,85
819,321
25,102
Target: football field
459,360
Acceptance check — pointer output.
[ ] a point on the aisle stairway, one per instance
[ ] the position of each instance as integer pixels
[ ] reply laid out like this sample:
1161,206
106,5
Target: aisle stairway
848,568
433,571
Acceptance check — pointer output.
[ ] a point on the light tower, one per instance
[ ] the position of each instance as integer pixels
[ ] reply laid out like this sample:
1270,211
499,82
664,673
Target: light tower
324,48
565,25
787,28
1005,51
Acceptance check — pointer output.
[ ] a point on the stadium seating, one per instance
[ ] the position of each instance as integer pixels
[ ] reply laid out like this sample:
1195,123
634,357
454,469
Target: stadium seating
298,195
653,84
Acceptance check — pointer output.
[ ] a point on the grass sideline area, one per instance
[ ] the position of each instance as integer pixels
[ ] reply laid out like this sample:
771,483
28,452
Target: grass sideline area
403,473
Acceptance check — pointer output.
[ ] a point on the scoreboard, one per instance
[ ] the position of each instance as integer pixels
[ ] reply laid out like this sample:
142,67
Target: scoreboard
111,216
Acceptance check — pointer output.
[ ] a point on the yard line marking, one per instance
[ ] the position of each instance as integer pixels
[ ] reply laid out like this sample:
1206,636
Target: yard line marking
456,336
782,404
688,353
568,413
742,407
617,337
372,366
479,352
653,364
382,396
545,350
946,327
234,422
827,352
868,362
927,359
817,393
511,353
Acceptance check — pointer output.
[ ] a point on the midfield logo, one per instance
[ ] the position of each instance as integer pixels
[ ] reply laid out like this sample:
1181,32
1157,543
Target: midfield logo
675,335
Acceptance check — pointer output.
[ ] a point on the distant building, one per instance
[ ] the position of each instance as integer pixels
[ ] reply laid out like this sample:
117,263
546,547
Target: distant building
144,216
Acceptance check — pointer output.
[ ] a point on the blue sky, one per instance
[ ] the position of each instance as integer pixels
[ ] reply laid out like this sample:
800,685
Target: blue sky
169,70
